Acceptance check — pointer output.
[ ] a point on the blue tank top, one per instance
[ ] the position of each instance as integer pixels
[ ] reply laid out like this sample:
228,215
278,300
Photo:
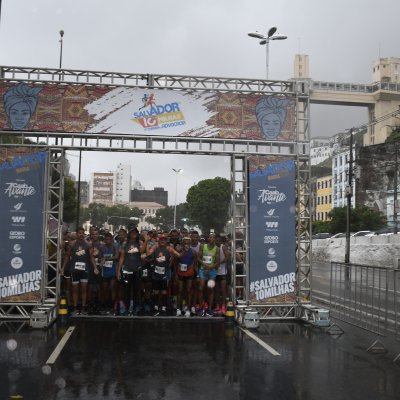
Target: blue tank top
109,269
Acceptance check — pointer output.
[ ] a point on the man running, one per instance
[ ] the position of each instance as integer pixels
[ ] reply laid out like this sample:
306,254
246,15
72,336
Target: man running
208,263
80,255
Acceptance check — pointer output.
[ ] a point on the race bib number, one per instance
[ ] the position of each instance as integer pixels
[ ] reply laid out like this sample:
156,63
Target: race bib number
108,264
161,259
80,266
183,267
207,259
159,270
144,273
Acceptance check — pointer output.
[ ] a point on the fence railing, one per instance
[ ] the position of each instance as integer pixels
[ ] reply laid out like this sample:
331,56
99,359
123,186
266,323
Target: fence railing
367,297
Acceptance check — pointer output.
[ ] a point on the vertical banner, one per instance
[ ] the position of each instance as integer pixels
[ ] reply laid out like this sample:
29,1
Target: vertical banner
22,189
272,252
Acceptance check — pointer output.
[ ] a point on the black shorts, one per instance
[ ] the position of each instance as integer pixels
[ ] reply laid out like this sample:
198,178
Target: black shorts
185,278
159,284
79,276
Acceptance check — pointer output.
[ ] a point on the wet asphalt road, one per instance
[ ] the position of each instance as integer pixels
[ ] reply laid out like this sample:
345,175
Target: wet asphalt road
191,359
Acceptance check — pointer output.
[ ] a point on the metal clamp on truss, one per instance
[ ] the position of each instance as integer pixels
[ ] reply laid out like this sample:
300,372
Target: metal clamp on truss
315,315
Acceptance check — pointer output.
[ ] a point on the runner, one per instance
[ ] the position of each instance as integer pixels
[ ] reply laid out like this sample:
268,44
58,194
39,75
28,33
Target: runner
161,273
119,305
129,270
109,272
147,270
195,245
186,268
94,284
208,263
222,273
80,254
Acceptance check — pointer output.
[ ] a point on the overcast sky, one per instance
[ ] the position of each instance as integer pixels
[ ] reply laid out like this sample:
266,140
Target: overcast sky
207,37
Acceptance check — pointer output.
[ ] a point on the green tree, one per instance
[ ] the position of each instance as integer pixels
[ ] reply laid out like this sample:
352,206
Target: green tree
164,218
362,218
394,136
208,203
321,226
70,201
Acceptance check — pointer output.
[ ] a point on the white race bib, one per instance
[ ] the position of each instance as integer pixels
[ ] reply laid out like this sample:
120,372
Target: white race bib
159,270
183,267
108,264
81,266
207,259
144,273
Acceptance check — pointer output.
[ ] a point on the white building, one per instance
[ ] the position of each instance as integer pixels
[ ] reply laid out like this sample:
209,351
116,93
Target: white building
320,150
102,188
149,209
123,183
340,169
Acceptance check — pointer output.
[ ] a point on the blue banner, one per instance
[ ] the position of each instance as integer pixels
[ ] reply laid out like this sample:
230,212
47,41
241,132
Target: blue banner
272,249
22,189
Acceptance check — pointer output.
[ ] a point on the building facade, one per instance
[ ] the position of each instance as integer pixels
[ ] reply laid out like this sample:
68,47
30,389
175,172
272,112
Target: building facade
123,183
340,171
323,198
149,210
103,187
157,195
320,150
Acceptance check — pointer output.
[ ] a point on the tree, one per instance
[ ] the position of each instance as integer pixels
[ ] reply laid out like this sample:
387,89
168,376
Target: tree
394,136
208,203
164,218
70,201
361,218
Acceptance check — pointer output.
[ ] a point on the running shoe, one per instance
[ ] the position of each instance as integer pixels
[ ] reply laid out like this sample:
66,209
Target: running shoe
197,309
187,314
178,312
202,312
205,305
223,309
156,311
217,309
122,308
130,310
116,312
163,311
209,313
147,309
193,310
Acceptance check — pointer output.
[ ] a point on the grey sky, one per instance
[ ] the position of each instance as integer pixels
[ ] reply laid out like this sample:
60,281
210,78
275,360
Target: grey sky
208,37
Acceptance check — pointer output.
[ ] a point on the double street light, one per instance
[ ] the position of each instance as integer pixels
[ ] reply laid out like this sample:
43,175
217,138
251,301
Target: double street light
264,40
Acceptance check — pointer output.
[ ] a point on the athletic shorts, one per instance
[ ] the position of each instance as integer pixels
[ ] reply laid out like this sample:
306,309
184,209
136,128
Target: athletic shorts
221,278
185,278
210,274
159,284
79,276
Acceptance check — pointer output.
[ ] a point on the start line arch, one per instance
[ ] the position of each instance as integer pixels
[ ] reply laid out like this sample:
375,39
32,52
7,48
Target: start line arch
87,111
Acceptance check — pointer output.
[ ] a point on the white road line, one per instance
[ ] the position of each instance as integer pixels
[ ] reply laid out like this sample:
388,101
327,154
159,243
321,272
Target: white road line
260,342
52,359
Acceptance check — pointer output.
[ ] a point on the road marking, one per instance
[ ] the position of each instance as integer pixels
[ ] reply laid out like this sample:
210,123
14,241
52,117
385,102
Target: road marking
52,359
260,342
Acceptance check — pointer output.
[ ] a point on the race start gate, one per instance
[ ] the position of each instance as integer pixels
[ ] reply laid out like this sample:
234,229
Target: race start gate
263,126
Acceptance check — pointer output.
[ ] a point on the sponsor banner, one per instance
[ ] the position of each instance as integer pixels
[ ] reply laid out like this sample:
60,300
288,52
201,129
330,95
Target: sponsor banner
22,180
138,111
272,258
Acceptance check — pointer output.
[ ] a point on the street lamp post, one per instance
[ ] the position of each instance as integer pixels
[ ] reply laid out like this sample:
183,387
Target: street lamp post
177,171
61,48
265,41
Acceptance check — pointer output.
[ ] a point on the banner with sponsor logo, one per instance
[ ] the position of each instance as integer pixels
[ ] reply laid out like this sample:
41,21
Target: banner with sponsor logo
138,111
22,189
272,258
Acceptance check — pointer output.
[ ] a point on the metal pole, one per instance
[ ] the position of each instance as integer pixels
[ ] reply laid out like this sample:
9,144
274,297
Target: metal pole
267,56
349,195
61,48
78,202
176,193
395,189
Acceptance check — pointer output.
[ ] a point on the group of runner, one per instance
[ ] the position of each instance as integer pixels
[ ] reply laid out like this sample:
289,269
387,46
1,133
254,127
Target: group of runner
147,273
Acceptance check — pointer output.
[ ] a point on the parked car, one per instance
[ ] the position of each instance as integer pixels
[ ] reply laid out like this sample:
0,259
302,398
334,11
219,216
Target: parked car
362,233
321,235
385,231
338,235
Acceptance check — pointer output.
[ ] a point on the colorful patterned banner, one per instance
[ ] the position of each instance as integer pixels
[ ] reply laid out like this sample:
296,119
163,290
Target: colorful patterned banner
127,110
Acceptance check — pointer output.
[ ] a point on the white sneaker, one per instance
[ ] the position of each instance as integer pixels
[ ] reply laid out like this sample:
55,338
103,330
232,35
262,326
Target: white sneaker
178,312
193,310
187,313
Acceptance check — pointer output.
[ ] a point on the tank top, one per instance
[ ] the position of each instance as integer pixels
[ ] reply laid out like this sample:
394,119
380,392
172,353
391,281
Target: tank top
132,260
185,264
209,255
222,267
80,258
110,266
161,265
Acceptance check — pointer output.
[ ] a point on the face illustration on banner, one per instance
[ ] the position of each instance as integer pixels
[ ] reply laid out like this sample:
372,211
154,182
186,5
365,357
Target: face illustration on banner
271,114
19,104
